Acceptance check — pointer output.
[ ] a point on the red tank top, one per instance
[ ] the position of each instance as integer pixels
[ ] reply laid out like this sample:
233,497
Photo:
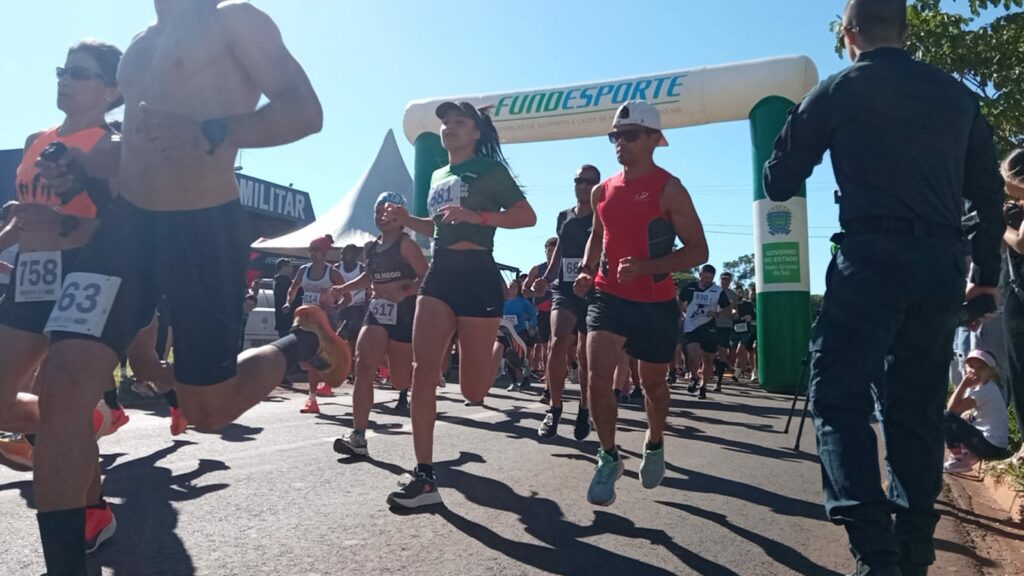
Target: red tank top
634,226
32,190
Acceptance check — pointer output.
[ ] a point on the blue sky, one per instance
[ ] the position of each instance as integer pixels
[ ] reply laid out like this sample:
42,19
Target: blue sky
367,59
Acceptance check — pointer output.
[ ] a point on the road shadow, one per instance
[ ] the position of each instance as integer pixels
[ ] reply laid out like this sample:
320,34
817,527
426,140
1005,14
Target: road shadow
146,542
563,550
777,551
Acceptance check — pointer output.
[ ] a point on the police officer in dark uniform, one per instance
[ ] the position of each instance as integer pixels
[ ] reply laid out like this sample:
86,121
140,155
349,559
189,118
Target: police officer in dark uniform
909,147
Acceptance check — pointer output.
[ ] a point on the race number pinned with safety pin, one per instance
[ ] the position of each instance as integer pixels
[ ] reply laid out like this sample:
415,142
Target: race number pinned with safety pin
38,277
84,304
385,311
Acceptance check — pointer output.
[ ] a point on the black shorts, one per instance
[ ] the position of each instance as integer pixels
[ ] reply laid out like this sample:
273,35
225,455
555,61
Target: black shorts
566,300
350,321
647,326
30,316
724,336
543,327
705,335
401,330
196,258
468,281
527,338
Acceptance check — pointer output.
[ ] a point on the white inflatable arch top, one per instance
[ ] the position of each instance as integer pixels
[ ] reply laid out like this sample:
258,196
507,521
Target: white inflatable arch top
685,98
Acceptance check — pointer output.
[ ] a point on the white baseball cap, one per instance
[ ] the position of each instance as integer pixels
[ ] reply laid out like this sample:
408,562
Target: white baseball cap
639,113
984,356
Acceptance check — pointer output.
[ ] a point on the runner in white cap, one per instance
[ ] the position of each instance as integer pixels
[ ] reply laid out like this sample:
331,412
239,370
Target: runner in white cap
394,267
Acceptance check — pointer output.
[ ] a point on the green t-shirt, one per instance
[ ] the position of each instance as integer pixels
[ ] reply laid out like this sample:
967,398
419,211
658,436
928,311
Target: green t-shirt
479,184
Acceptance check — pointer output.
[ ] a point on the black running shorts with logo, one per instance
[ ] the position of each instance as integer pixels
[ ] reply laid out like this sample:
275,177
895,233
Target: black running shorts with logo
401,330
30,316
197,258
648,327
566,300
544,327
468,281
705,335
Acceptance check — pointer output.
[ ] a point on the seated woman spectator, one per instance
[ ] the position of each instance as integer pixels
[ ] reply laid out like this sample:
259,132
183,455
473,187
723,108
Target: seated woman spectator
976,424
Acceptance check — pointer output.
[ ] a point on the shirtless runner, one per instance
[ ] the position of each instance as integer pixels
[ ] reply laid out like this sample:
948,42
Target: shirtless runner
191,83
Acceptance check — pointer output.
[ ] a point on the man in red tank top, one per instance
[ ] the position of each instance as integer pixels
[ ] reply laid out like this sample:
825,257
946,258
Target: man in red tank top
638,214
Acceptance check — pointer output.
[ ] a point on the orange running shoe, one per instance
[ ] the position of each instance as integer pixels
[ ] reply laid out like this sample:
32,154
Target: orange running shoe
118,418
333,359
100,525
324,391
16,454
311,406
178,422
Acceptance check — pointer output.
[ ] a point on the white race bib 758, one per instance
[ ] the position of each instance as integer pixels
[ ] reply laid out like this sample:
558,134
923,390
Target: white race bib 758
38,275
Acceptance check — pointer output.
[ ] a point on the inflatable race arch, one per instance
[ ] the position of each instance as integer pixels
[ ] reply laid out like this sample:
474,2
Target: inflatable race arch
761,91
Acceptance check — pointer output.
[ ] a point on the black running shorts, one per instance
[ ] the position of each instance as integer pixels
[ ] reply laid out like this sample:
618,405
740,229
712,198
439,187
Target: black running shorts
565,300
649,327
197,258
400,330
468,281
544,327
30,316
705,335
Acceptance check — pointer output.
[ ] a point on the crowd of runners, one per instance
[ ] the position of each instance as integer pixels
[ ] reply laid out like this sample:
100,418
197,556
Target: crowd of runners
122,231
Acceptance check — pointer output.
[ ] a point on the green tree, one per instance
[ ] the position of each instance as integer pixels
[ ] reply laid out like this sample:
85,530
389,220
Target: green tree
984,50
742,269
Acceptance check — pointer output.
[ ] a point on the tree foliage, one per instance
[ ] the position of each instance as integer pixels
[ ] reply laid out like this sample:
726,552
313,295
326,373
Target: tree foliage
984,50
742,269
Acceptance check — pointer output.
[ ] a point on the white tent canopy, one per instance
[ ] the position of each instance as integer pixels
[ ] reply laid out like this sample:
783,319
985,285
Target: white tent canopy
351,220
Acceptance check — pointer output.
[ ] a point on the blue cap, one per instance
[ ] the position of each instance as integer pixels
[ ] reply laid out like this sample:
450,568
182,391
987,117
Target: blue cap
389,197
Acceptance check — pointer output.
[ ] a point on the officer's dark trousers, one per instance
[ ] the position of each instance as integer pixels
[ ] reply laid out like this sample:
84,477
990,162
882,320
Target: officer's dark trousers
898,296
1013,325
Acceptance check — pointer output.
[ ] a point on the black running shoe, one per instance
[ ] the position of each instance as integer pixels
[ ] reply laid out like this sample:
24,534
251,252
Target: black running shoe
415,492
637,393
692,387
671,378
702,394
545,396
583,425
403,401
718,387
549,427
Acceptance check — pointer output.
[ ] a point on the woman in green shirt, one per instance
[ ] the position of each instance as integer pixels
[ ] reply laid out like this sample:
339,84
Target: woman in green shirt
462,290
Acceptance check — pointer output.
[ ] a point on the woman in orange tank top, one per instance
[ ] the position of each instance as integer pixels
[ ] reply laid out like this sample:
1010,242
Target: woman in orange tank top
49,229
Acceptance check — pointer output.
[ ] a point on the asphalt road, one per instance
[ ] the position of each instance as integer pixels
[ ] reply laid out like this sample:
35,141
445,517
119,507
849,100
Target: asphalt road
268,496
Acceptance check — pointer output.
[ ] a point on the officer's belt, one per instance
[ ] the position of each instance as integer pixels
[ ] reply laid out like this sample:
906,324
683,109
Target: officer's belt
894,226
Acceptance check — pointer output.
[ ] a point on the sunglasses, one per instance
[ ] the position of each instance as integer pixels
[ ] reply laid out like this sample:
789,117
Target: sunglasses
79,73
631,135
588,181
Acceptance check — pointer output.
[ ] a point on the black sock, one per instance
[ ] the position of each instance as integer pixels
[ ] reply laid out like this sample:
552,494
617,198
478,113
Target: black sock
31,438
613,453
556,410
575,365
655,445
110,399
296,347
63,536
585,411
101,506
426,469
171,398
